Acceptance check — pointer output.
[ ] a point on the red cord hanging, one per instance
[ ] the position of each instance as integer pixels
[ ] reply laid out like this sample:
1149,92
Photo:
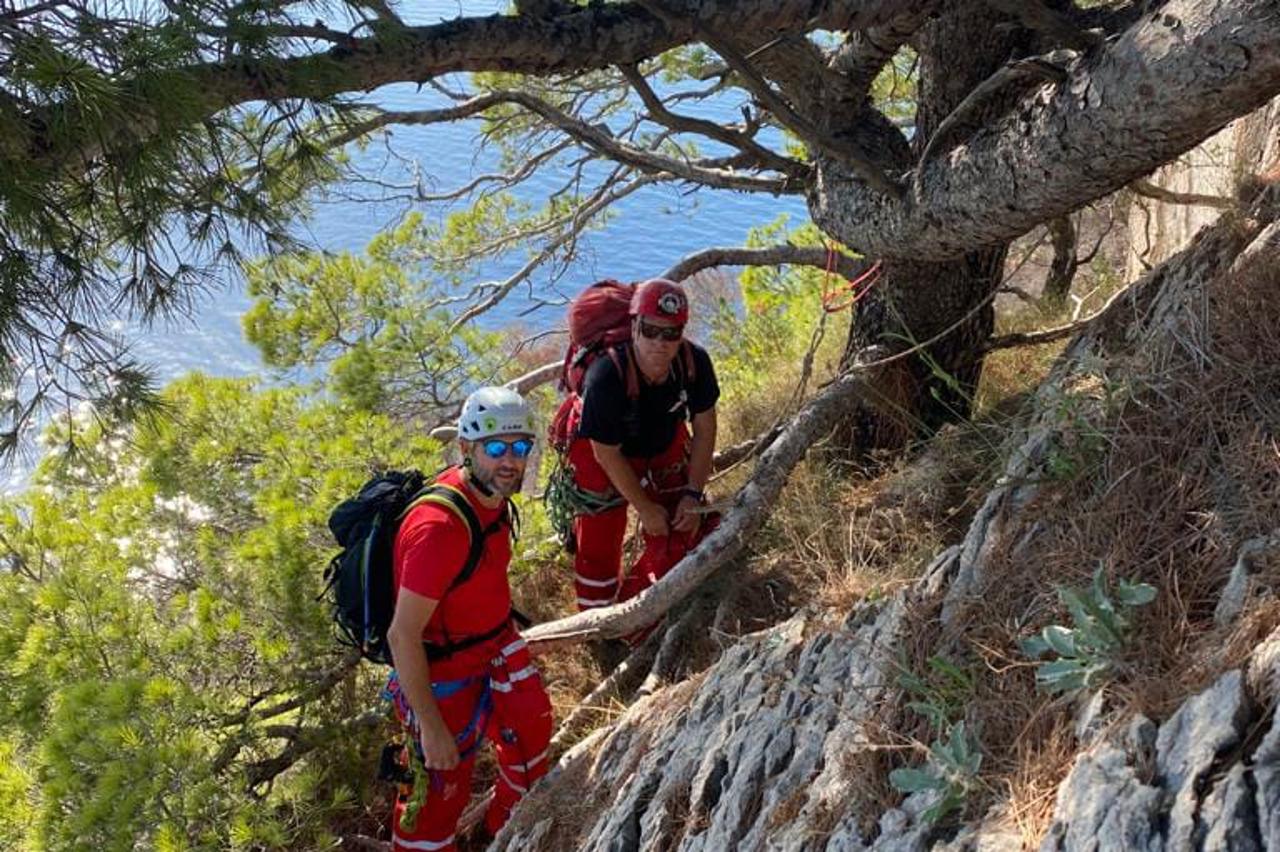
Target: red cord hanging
858,287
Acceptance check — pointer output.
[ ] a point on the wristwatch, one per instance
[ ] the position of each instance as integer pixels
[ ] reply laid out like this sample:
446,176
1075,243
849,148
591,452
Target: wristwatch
700,496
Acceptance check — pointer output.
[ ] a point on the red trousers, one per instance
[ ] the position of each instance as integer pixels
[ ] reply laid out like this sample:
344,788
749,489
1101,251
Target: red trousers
597,564
504,703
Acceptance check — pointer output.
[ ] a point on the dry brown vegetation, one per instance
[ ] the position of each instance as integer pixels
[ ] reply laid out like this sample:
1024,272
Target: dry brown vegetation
1167,465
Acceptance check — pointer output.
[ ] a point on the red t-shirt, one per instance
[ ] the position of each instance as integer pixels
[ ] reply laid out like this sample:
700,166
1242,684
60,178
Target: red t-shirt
431,548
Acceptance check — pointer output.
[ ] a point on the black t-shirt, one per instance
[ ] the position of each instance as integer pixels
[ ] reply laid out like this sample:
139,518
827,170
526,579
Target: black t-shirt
646,426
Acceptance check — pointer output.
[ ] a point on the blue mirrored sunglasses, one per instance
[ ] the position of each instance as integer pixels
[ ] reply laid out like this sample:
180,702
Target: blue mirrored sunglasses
496,449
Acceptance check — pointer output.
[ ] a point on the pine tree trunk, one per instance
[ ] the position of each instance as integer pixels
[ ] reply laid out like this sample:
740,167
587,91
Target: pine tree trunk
917,302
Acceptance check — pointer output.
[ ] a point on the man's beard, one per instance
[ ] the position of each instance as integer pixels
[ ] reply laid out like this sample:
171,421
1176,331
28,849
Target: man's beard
490,481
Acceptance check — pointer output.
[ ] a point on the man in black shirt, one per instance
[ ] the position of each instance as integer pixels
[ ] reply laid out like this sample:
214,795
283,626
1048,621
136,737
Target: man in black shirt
645,430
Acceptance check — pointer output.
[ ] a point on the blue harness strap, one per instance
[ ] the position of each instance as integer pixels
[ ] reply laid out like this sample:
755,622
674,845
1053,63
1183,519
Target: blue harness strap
442,690
478,722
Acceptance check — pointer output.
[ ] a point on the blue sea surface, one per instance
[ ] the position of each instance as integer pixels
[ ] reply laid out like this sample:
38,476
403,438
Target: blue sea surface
649,231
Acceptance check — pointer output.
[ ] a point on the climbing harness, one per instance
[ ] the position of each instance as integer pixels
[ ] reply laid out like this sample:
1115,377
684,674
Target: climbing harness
425,779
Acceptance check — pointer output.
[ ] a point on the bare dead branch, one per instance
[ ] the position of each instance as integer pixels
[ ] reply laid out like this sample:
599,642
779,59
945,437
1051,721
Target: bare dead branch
1048,335
747,515
769,256
1147,189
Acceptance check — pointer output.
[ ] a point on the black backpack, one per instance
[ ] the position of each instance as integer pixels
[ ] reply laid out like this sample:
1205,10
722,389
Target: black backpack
360,580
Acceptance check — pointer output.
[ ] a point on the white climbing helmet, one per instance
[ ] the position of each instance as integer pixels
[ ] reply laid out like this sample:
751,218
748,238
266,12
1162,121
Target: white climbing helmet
494,411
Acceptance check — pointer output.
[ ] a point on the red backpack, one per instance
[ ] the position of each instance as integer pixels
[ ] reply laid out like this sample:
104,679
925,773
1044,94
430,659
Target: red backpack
599,320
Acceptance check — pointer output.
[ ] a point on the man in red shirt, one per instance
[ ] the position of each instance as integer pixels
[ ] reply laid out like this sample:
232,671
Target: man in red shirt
647,438
463,674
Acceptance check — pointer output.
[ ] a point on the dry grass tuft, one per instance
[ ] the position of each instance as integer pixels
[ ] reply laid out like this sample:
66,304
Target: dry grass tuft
841,539
1032,785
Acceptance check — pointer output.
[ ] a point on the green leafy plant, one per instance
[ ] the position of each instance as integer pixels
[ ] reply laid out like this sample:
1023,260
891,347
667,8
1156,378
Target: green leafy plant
951,771
1087,651
940,693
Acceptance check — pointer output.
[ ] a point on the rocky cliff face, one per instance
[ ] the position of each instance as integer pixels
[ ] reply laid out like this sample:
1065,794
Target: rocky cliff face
786,741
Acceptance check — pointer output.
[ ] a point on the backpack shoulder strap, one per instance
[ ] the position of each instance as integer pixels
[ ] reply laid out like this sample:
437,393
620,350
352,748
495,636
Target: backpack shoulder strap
690,365
454,500
627,372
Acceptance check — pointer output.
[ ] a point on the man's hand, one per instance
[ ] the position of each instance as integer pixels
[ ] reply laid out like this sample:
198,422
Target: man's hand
687,515
439,751
653,518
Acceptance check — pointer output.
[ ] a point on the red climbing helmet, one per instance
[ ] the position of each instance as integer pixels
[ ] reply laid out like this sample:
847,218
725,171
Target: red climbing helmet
662,299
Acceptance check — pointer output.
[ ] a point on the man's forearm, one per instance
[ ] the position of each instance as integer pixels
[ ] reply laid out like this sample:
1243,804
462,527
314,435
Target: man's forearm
619,470
414,673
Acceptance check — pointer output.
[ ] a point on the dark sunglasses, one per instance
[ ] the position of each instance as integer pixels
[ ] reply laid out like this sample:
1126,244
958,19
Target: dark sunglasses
496,449
666,332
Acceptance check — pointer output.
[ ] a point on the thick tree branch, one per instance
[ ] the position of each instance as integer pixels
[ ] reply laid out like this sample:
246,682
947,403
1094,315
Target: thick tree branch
1020,72
594,37
842,150
1058,26
844,265
1153,94
865,52
799,69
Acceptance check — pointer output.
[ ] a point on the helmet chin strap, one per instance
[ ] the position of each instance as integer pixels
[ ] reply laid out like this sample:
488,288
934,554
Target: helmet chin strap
474,480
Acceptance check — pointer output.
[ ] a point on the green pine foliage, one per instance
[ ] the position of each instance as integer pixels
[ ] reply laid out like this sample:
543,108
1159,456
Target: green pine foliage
378,323
126,189
159,599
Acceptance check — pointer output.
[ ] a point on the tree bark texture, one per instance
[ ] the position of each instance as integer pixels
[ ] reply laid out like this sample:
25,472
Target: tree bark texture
917,302
1174,78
